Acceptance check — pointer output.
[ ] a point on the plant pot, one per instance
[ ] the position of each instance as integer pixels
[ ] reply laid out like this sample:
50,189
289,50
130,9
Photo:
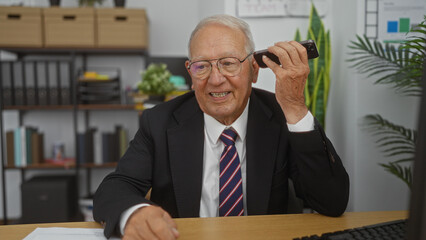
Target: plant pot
158,98
119,3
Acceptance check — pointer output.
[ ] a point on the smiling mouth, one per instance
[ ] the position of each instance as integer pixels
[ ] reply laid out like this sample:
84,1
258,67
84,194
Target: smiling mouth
219,95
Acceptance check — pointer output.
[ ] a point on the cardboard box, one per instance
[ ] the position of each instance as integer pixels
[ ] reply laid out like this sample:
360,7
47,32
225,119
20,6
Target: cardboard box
20,27
122,28
69,27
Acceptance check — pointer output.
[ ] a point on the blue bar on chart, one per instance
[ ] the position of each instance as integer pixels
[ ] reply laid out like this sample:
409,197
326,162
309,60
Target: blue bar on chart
402,26
392,26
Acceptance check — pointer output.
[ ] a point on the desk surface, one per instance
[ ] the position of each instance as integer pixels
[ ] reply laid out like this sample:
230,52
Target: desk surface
251,227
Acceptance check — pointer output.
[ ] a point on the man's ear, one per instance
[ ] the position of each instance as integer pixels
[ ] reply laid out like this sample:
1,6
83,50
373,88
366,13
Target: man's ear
255,67
189,72
186,66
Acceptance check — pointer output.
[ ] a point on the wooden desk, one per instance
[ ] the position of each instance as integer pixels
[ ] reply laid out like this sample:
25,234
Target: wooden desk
251,227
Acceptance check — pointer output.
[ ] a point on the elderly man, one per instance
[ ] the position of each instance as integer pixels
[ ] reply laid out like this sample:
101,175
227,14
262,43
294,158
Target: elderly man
225,148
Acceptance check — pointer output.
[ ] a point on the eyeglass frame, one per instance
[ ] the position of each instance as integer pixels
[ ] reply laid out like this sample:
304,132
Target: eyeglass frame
217,64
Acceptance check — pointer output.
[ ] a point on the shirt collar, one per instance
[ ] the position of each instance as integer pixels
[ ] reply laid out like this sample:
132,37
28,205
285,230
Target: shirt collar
214,128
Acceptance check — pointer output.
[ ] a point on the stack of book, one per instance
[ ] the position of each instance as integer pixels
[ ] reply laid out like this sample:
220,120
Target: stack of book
24,147
85,146
102,147
114,144
49,84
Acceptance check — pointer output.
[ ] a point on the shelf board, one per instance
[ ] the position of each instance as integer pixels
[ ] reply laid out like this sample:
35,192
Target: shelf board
68,166
29,50
39,107
44,166
70,107
106,107
104,165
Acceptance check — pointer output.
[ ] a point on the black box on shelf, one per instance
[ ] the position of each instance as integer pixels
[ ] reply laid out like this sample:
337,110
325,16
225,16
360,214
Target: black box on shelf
85,141
7,97
110,147
19,96
50,199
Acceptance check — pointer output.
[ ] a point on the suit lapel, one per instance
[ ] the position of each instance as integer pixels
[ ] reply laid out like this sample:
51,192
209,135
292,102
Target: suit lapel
262,143
186,144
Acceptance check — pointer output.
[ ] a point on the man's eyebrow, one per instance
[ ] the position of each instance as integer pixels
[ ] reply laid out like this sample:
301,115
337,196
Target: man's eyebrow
198,58
227,54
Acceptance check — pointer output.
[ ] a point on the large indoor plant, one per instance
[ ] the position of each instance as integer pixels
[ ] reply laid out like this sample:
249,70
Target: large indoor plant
155,81
401,68
318,83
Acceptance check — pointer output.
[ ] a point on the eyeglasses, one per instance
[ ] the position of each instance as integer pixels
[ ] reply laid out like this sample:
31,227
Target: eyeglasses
228,66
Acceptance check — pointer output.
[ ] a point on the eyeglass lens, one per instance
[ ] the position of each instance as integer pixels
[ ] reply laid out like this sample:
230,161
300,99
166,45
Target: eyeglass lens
229,66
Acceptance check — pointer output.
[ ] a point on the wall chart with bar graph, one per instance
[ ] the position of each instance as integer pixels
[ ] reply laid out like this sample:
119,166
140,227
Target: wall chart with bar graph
397,18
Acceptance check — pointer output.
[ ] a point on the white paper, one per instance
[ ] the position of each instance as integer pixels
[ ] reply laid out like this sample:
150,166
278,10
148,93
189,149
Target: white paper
57,233
392,11
261,8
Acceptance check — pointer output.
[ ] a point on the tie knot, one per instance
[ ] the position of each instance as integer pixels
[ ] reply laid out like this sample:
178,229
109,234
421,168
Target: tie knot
228,137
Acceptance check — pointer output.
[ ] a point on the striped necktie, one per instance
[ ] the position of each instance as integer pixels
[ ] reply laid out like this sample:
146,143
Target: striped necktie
231,184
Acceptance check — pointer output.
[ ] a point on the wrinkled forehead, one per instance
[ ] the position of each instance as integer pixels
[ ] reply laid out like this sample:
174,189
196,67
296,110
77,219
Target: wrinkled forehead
216,41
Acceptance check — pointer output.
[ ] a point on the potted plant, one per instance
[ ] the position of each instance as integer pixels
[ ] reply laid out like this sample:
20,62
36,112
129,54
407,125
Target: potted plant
155,81
318,82
401,68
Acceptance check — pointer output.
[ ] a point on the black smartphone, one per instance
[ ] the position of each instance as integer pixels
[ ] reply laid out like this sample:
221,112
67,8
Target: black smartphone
310,46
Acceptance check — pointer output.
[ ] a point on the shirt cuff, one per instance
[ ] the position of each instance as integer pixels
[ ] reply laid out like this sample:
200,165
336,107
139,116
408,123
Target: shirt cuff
306,124
126,214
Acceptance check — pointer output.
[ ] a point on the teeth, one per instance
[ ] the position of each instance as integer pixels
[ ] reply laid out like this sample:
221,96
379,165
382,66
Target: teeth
219,94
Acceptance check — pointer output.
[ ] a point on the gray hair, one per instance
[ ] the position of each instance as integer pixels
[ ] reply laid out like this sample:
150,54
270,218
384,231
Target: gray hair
228,21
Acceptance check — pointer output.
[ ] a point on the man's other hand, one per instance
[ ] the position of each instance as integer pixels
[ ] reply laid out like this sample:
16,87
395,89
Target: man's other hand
150,222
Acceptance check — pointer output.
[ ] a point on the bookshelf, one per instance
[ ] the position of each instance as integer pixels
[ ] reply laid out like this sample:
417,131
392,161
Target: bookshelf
68,103
70,107
53,166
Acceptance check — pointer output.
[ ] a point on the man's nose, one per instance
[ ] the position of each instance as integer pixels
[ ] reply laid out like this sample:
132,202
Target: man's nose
216,77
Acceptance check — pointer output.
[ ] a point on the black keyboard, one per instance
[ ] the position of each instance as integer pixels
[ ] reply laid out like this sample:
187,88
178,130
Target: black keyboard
394,230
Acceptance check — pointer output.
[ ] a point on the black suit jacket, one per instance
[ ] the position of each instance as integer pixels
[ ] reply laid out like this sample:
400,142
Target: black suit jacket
166,155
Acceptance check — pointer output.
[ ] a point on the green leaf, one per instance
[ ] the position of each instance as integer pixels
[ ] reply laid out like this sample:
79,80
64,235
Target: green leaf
395,141
318,83
315,22
374,60
297,36
404,160
403,173
155,80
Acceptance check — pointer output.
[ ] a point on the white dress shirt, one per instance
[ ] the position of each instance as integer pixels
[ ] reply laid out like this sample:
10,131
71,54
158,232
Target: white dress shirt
213,147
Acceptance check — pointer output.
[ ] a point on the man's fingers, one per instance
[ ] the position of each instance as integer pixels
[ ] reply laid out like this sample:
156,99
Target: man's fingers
175,232
169,220
146,232
282,55
271,64
150,222
303,53
291,52
171,223
161,228
139,231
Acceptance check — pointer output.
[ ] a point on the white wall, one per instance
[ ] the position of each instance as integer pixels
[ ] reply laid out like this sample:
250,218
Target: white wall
351,95
372,188
267,31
